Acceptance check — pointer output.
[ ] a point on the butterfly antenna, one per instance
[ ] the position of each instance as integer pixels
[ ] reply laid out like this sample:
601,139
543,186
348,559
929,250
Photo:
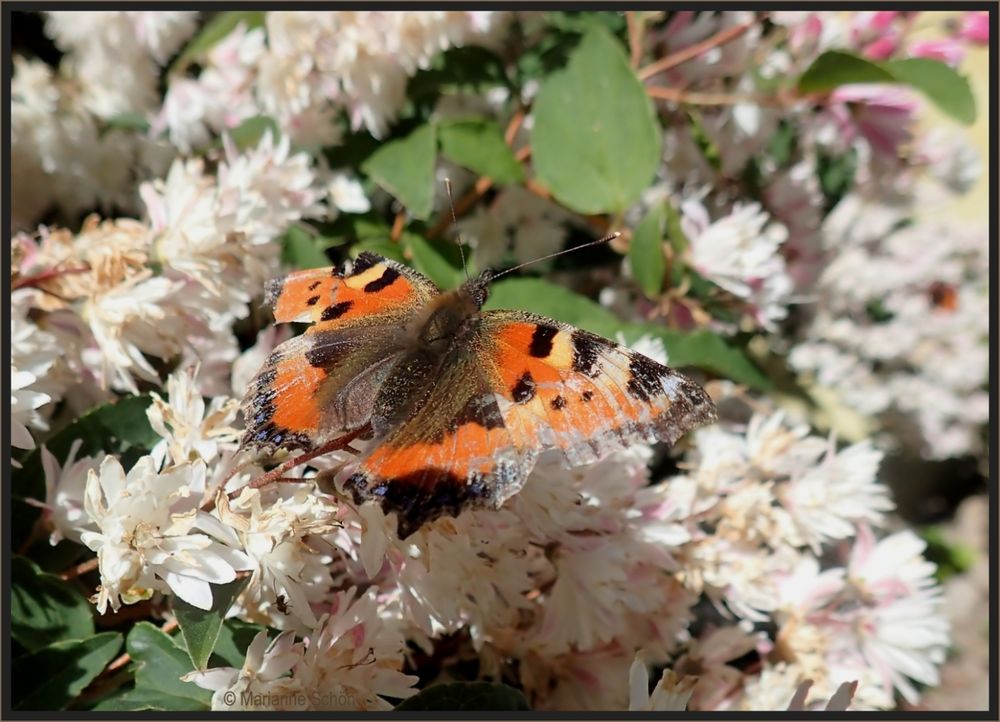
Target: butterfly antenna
454,222
599,241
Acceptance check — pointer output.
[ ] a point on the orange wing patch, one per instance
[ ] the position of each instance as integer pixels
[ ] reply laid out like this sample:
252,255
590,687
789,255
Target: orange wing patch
281,408
569,389
371,286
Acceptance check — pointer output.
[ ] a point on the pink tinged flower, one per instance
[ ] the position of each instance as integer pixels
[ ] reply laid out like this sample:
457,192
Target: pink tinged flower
882,48
882,114
63,508
976,27
948,50
264,676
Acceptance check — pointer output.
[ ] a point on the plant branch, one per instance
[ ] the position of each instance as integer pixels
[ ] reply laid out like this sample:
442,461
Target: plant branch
693,51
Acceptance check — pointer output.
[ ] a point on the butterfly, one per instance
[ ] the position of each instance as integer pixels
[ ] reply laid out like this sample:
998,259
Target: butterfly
458,401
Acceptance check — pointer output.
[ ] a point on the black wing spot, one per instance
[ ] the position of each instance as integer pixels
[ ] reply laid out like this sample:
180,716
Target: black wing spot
364,261
587,395
645,377
558,403
312,300
481,410
586,350
524,389
541,340
336,310
314,285
387,278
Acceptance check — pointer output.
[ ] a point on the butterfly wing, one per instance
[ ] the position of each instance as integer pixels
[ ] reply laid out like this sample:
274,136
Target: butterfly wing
324,382
353,294
562,387
453,451
522,383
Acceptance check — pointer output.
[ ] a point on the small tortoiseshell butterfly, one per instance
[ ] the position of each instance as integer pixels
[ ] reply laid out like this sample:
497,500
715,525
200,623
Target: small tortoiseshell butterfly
459,400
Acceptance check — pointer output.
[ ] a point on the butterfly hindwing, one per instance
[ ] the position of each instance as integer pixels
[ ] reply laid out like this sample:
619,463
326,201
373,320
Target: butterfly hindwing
452,451
563,387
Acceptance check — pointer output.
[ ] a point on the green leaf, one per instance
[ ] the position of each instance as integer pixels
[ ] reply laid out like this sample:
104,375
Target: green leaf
943,85
160,664
234,638
548,299
478,144
302,249
645,254
44,609
249,133
466,697
200,628
128,121
675,232
702,349
431,259
468,69
51,677
596,142
215,30
405,168
835,68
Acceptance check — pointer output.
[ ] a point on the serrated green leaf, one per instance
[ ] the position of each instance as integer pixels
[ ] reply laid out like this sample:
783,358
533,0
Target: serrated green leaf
645,253
215,30
302,249
200,627
44,609
548,299
478,144
835,68
941,84
466,697
50,678
431,259
160,664
596,141
405,168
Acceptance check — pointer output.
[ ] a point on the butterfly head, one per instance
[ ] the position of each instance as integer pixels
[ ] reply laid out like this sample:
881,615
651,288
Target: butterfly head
478,289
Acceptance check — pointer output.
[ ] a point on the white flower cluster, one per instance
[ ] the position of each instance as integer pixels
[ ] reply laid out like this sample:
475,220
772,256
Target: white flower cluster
744,573
898,329
66,151
97,305
313,66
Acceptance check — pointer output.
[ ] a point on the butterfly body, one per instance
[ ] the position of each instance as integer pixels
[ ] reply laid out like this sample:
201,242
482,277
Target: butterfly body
459,401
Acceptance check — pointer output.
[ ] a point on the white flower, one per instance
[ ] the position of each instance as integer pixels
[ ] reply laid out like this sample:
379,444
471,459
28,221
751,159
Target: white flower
24,405
671,693
151,534
903,635
283,563
262,683
741,253
353,658
188,430
65,487
347,195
